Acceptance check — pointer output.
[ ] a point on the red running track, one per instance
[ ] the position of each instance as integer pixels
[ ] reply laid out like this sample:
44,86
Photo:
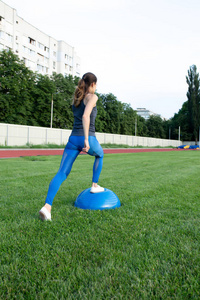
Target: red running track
11,153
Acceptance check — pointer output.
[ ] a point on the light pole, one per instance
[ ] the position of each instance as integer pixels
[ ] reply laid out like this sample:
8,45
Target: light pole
136,126
199,136
179,133
51,111
169,133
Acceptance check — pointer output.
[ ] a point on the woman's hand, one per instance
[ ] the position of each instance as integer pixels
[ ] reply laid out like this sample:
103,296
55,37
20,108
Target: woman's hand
86,146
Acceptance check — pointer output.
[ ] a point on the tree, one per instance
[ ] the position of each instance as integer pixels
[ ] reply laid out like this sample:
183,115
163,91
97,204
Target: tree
16,89
142,129
155,127
113,110
25,96
128,116
100,122
193,96
63,97
181,119
41,108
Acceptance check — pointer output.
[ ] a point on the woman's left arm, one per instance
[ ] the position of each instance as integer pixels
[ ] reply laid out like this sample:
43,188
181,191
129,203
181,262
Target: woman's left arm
86,119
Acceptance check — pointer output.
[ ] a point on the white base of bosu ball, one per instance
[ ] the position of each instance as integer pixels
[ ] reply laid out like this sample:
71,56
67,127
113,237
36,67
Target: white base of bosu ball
97,201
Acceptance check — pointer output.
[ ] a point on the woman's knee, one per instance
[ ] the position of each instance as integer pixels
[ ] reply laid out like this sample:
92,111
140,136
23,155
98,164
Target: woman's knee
98,153
102,154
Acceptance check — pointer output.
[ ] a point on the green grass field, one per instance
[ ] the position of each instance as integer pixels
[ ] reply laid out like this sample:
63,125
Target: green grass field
149,248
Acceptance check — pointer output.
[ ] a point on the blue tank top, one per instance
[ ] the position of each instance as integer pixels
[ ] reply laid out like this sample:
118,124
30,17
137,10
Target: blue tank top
78,124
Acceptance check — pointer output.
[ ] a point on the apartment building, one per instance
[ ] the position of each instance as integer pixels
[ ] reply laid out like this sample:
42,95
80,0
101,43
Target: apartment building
40,52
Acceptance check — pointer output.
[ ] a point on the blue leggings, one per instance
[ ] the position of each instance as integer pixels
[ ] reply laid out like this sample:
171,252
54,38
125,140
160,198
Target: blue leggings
72,150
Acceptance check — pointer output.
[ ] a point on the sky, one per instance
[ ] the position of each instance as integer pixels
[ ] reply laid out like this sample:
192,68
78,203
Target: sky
140,50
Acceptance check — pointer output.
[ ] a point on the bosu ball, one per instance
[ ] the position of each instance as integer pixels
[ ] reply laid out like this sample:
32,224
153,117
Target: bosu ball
97,201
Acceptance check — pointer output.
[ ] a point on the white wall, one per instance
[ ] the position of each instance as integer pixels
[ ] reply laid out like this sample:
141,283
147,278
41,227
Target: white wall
20,135
190,143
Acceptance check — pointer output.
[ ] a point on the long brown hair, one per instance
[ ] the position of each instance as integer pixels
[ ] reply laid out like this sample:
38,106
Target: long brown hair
83,86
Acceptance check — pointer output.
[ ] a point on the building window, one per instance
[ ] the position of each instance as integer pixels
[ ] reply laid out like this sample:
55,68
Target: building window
25,49
8,37
71,60
54,53
40,68
17,22
46,49
66,56
32,41
31,52
26,61
2,21
40,57
29,64
28,51
1,35
41,46
54,65
46,60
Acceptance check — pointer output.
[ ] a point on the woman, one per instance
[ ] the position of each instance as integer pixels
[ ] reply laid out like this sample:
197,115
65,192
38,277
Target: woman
82,138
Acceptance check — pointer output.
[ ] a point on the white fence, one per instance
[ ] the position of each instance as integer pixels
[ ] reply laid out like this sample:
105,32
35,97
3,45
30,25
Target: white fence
20,135
190,143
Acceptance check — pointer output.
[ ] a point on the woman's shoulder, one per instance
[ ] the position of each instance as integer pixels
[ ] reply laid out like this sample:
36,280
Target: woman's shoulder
90,97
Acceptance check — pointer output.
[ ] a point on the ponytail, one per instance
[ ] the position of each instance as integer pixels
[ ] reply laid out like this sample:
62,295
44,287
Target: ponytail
79,93
83,86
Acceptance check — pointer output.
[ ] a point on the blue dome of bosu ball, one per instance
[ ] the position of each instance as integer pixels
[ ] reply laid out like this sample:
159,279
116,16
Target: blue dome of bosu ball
97,201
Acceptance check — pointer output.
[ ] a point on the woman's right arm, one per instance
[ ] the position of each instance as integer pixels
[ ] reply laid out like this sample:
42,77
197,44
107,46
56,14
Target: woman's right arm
91,103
